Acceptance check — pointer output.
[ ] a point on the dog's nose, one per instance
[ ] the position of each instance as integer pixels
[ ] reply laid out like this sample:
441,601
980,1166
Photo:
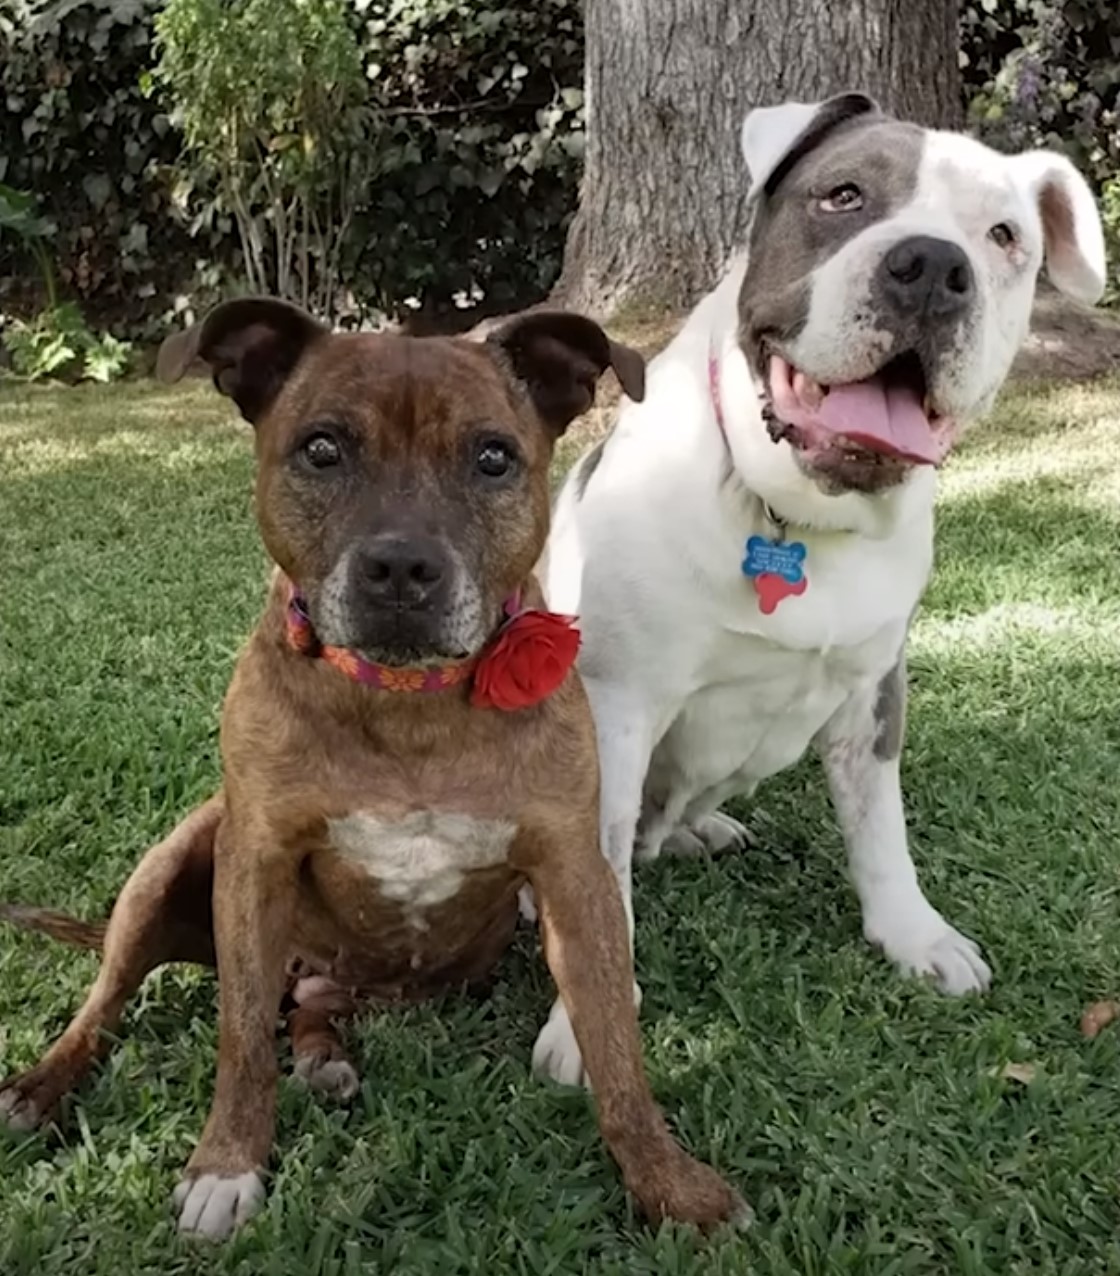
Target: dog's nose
401,570
929,276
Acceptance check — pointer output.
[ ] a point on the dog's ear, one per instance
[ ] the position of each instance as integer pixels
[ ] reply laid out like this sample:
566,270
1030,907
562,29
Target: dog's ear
1071,224
250,345
560,357
774,138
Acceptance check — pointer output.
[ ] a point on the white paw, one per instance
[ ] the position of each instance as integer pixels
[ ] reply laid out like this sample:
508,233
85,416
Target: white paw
527,904
743,1218
682,841
647,849
18,1112
214,1205
556,1055
722,832
337,1078
709,835
928,946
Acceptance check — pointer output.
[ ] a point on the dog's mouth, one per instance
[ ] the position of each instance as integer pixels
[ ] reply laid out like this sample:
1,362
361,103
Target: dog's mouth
394,637
405,656
889,415
409,639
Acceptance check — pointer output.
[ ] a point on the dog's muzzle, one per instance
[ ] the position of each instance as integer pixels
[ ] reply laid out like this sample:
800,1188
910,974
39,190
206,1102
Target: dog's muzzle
397,594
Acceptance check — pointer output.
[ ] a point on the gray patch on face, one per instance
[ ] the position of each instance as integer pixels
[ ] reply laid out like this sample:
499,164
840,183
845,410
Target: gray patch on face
791,235
464,627
586,468
332,606
890,712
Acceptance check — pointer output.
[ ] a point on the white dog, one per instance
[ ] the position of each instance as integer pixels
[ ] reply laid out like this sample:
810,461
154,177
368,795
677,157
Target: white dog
747,548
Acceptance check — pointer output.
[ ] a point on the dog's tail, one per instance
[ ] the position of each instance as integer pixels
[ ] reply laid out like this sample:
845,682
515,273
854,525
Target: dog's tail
70,930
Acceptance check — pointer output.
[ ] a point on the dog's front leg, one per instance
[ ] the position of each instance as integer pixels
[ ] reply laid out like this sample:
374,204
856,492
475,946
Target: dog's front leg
587,948
624,740
861,747
254,904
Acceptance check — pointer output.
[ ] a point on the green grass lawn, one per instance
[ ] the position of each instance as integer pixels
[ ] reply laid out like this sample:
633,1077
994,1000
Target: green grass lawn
864,1116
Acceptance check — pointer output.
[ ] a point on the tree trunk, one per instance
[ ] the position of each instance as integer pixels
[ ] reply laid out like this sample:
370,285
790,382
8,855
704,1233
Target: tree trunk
668,83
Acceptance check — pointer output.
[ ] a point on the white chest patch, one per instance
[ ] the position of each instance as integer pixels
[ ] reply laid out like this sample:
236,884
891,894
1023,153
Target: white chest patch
421,860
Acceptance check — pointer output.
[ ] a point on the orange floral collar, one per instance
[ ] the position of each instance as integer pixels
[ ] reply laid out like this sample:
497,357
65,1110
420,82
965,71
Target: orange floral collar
528,659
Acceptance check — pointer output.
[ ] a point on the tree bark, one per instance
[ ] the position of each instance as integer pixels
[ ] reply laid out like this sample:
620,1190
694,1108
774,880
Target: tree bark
668,83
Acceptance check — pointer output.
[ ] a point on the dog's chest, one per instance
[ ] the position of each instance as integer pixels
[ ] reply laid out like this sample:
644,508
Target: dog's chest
760,705
767,684
420,860
793,691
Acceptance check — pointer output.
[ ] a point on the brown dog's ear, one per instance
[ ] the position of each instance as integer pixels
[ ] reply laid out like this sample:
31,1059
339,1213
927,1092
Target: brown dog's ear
251,346
560,357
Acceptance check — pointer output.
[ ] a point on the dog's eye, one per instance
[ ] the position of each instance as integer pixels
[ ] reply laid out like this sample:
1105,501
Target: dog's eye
494,458
845,198
322,451
1003,235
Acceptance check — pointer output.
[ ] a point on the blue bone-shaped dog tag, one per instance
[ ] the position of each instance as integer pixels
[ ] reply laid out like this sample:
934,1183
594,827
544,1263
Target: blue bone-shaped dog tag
777,558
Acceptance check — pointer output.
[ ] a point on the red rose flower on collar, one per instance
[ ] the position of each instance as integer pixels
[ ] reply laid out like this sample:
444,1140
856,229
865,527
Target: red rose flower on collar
527,662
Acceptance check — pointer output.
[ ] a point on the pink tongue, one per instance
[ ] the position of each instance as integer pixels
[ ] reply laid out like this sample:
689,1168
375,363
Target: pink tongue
887,419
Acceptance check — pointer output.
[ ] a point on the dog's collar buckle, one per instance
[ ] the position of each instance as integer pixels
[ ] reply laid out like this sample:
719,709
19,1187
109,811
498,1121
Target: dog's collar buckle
779,523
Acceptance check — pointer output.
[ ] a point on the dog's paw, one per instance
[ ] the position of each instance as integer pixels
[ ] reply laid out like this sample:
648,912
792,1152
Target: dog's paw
334,1077
556,1055
929,947
709,835
674,1185
527,904
22,1106
212,1206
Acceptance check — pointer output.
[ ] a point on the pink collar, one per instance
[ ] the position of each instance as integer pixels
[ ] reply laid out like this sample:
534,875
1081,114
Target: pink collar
717,408
713,390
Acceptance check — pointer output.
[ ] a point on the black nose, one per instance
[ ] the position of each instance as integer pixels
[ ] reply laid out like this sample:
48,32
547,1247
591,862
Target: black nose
923,275
401,571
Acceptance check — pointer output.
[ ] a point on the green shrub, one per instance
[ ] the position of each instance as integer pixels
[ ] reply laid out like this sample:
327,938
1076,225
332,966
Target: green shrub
479,137
1047,73
21,220
76,129
58,344
1110,215
472,134
464,173
269,96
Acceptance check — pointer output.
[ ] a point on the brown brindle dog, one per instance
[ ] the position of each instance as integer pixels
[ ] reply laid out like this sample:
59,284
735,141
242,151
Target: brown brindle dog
369,842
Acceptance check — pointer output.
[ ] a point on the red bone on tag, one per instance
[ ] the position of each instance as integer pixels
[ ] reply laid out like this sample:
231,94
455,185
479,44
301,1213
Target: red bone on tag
772,588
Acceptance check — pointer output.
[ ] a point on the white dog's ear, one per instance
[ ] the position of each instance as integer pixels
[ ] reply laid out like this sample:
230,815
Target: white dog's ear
773,137
1071,225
